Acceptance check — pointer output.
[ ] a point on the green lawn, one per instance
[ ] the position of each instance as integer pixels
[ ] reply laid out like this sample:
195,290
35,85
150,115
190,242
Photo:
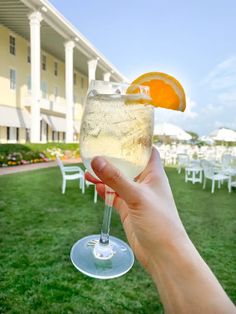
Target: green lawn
39,225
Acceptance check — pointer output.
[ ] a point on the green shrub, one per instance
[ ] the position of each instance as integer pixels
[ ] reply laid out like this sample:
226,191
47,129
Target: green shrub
13,154
3,160
13,148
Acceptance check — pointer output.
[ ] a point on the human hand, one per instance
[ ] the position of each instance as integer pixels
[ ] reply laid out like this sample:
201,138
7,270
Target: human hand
146,207
159,240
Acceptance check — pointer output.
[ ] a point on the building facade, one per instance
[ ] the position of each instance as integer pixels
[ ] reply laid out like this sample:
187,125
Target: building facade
45,69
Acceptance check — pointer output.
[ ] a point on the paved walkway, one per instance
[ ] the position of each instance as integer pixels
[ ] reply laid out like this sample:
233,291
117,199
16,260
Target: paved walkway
10,170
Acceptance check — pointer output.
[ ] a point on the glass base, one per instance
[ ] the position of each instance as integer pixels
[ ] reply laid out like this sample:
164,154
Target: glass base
83,258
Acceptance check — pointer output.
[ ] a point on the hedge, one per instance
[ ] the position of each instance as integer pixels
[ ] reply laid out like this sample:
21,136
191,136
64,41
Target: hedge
16,154
13,148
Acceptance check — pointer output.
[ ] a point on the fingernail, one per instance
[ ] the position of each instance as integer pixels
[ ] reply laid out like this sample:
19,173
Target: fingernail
98,163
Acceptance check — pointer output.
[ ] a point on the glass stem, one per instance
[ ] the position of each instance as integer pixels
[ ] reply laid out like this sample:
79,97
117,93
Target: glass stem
109,198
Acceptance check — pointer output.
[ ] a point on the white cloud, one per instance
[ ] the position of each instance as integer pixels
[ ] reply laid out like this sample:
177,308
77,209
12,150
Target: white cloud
211,109
222,81
219,86
189,111
182,119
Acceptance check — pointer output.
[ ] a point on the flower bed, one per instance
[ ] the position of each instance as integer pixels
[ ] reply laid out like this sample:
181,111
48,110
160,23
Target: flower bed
17,154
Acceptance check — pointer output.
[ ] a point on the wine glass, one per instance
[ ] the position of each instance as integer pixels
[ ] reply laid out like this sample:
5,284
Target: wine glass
117,125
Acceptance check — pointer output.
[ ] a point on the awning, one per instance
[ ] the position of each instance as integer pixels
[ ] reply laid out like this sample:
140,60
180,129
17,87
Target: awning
14,117
56,123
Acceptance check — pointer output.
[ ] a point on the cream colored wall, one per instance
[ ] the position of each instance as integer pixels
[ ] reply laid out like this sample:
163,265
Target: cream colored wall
53,80
22,135
49,134
19,63
3,134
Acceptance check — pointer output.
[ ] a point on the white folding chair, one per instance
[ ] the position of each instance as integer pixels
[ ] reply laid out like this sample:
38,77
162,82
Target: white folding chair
226,161
210,173
71,173
88,183
232,183
182,161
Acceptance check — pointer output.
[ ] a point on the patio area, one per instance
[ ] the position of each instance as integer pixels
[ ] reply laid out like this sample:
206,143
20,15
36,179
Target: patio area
39,225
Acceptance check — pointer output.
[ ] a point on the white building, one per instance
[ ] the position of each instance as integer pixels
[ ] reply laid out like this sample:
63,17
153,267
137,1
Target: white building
46,65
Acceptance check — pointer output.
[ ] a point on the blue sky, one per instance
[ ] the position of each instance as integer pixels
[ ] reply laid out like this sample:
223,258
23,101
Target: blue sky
194,40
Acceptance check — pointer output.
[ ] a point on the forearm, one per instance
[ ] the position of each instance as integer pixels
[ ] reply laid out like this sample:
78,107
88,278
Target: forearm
186,284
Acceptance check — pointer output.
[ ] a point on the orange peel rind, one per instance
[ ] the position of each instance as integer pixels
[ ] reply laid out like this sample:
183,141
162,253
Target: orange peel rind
165,91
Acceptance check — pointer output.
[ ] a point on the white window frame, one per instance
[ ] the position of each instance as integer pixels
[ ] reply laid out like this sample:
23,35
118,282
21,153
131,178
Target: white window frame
12,46
12,82
28,54
44,62
29,83
44,89
82,82
56,68
12,135
82,101
56,92
74,78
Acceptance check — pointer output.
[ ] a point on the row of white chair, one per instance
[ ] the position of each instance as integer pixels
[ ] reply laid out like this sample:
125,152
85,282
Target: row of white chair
169,153
74,173
196,170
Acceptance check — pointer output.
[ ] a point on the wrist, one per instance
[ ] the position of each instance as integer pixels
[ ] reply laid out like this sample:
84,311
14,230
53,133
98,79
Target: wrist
171,253
185,282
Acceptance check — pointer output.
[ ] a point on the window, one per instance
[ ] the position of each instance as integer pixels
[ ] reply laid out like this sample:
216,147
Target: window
55,92
27,135
74,78
82,82
44,89
28,55
64,136
55,136
41,130
29,83
12,41
12,135
82,101
55,68
17,134
12,79
47,131
44,62
8,133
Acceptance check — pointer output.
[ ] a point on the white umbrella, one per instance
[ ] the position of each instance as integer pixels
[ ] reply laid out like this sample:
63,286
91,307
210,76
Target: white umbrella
224,135
172,131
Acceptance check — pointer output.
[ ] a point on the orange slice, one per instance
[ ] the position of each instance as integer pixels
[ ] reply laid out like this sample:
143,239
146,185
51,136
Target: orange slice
165,90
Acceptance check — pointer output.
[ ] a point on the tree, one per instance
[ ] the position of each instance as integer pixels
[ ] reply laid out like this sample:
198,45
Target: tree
194,135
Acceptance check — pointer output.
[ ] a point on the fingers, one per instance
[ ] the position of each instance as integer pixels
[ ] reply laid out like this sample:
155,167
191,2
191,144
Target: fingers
117,203
91,178
112,177
155,163
100,187
154,169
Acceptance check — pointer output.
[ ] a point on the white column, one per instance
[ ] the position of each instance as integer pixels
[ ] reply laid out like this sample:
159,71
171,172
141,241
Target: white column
92,66
69,48
35,19
107,77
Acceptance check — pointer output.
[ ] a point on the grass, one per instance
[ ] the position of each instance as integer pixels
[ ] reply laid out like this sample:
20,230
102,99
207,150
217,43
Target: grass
39,225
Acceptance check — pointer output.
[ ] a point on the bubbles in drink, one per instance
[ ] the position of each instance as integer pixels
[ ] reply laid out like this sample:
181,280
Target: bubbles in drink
120,132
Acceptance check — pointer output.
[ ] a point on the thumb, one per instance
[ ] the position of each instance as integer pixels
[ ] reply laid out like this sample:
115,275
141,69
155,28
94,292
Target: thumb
112,177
